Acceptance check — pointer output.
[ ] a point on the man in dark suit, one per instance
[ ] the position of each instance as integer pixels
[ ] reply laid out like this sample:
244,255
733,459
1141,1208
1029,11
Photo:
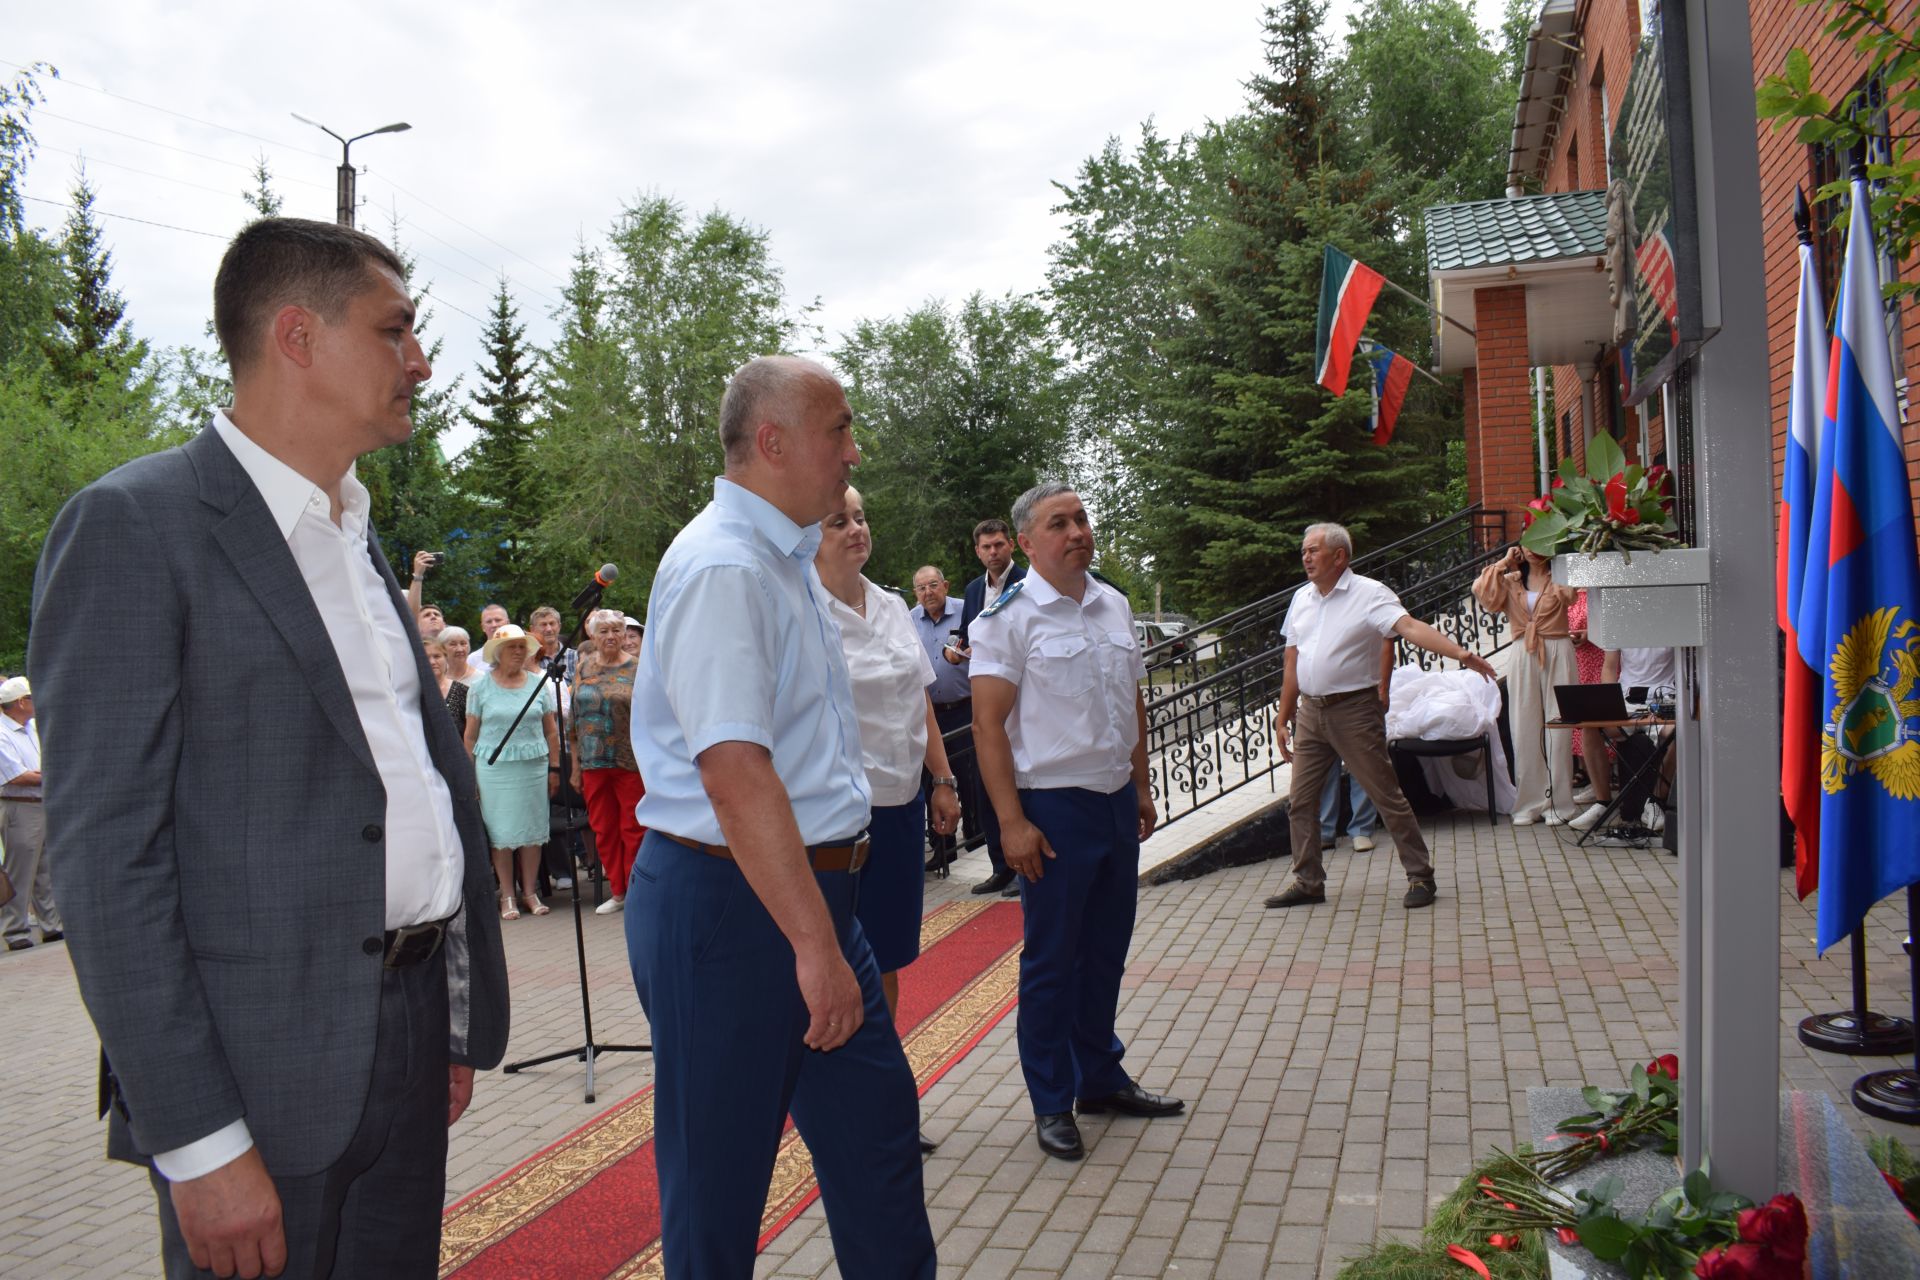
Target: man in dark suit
276,888
993,543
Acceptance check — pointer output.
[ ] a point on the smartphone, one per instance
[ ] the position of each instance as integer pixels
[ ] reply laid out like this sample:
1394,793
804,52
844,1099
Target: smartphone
436,558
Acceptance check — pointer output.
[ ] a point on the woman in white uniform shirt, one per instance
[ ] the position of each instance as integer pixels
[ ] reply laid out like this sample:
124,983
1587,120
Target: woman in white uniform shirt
898,735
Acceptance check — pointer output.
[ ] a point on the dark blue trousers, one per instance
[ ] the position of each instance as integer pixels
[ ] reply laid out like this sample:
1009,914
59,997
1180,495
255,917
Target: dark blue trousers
715,975
1079,922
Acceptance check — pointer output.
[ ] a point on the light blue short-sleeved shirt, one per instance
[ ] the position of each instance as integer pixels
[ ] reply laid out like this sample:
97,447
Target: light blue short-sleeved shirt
740,648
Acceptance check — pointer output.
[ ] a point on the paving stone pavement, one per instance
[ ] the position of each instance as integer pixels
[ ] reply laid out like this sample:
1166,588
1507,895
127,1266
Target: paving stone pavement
1343,1065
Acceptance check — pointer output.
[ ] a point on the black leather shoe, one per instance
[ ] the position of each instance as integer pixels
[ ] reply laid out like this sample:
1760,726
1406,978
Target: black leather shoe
1012,890
1132,1101
995,882
927,1145
19,944
51,935
1420,893
1059,1136
1297,897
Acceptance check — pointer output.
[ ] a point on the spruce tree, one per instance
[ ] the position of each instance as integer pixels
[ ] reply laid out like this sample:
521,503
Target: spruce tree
89,316
1261,450
499,472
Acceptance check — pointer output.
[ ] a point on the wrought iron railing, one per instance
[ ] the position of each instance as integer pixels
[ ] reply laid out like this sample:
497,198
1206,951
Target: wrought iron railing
1211,691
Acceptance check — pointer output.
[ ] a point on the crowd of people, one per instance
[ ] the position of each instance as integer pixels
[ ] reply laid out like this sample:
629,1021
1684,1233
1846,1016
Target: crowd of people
294,957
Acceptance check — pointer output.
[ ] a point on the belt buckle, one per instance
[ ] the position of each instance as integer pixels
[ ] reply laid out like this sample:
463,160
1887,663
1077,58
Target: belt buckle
415,944
861,847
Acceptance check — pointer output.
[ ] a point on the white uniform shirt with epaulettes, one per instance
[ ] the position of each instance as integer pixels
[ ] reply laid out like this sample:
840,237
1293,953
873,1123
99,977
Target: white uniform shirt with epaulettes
1078,668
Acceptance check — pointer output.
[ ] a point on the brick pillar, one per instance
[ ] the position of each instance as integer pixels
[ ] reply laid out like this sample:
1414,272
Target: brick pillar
1504,421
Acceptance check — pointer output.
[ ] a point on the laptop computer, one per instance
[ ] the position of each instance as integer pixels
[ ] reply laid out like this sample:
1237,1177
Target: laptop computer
1585,703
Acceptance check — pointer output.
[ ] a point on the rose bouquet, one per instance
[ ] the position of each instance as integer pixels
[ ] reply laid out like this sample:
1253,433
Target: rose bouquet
1614,506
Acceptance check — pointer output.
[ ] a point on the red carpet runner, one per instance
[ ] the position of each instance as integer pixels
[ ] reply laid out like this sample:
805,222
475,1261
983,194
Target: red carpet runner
588,1205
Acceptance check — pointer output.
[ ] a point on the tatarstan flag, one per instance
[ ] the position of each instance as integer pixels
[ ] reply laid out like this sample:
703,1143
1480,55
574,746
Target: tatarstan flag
1392,372
1347,291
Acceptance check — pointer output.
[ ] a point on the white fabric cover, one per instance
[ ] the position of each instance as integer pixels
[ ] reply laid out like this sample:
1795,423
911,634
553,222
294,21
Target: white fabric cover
1452,704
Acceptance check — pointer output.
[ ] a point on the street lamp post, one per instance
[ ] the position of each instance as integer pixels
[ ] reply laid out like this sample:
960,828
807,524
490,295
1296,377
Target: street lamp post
344,203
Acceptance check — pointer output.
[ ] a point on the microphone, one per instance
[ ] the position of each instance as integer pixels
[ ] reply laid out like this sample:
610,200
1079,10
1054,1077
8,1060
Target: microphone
590,594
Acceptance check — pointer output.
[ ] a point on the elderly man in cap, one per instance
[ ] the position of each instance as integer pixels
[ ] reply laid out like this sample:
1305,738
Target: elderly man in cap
22,830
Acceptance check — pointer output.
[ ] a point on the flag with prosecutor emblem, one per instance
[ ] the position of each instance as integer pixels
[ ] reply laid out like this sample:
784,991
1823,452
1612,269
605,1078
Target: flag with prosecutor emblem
1392,372
1870,640
1347,291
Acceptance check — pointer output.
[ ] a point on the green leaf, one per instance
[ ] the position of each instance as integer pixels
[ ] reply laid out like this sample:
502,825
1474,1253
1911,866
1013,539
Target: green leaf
1596,1098
1798,70
1604,459
1606,1236
1697,1187
1604,1191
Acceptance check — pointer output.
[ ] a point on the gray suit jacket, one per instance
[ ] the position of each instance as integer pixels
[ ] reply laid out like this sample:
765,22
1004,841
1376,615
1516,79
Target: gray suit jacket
214,817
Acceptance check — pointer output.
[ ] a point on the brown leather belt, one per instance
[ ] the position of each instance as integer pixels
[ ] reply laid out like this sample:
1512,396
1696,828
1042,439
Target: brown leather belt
1331,698
414,943
22,799
822,857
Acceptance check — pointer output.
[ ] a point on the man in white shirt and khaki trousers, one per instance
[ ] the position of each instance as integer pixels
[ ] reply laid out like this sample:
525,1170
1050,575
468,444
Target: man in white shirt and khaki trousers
1331,708
1060,728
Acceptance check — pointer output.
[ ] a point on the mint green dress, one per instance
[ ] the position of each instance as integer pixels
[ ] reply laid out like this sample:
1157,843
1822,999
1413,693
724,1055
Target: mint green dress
513,790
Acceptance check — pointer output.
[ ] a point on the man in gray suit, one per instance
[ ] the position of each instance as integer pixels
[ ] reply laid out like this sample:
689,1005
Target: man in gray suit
276,884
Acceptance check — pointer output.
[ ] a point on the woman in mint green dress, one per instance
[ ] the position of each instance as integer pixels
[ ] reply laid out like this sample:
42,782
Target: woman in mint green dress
514,789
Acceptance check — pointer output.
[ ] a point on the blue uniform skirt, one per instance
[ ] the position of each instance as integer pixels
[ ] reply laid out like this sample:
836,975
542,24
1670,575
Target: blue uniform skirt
892,884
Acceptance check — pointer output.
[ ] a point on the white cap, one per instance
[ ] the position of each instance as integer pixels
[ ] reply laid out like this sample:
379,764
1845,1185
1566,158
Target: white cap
14,689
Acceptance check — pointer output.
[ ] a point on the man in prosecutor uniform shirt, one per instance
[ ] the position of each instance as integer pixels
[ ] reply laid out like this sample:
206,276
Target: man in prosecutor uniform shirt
760,988
1061,732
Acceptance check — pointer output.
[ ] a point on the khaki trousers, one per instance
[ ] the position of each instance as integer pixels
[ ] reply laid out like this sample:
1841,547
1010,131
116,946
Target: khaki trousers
23,833
1350,727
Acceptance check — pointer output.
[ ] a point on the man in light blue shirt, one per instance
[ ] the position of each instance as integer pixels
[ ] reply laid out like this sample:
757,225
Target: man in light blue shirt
936,619
759,986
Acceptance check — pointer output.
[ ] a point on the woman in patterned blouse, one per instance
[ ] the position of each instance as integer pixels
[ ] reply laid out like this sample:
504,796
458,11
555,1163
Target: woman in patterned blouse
603,766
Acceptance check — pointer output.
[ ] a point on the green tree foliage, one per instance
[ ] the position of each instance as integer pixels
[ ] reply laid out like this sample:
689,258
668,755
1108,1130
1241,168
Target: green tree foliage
31,269
198,382
497,471
1424,92
630,441
90,312
1889,55
956,412
1261,450
1118,297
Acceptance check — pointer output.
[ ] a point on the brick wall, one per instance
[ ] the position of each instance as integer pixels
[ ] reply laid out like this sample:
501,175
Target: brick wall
1503,399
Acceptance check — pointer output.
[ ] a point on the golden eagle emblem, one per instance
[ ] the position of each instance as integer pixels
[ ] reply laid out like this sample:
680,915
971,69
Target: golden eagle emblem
1874,669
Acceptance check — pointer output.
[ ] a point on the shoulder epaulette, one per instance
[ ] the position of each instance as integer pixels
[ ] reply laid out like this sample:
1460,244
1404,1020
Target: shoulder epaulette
1013,589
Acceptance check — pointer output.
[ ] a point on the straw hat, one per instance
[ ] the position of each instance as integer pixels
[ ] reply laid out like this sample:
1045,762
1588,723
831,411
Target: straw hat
506,635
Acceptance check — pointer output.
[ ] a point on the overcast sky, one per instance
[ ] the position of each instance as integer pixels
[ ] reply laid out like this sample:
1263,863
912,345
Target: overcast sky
895,152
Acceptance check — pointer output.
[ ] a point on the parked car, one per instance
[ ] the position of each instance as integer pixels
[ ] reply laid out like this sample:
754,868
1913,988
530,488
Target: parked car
1150,633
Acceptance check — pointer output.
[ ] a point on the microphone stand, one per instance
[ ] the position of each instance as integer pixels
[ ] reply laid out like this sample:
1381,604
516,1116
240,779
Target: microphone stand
557,672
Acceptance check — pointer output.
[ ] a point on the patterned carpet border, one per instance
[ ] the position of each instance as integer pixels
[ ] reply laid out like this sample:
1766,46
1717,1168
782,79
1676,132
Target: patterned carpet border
935,1040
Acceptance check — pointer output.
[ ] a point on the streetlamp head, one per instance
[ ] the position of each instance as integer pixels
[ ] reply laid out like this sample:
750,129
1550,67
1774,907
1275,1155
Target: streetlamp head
401,127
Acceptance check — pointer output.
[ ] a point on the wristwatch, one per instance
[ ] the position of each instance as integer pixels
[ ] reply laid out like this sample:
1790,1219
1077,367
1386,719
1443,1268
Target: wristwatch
948,782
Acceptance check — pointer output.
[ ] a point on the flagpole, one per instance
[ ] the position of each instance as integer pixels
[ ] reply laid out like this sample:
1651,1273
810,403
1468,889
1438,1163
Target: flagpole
1858,1031
1895,1095
1375,346
1411,297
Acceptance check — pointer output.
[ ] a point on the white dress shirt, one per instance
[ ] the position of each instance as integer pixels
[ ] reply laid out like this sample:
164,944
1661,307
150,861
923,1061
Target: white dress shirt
890,673
740,648
423,852
424,855
19,753
1078,667
1338,634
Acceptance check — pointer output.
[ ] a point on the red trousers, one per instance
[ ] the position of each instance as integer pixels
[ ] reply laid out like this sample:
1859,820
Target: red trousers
611,795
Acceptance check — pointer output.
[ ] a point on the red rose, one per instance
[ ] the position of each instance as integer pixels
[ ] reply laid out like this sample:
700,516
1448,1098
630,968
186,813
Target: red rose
1667,1064
1779,1226
1740,1262
1660,480
1617,508
1558,483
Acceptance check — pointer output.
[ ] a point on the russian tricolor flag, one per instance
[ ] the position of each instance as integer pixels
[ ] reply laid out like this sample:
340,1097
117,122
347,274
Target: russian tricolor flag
1864,634
1392,372
1801,717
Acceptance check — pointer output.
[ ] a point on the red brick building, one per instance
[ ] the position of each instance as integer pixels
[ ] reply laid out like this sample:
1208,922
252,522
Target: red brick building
1513,269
